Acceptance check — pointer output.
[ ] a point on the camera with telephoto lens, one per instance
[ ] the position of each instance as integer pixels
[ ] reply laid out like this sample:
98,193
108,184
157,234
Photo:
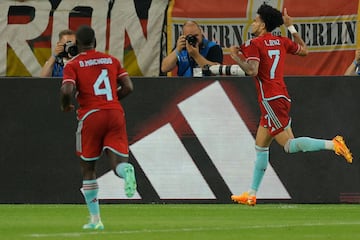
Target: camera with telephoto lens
192,40
230,70
70,50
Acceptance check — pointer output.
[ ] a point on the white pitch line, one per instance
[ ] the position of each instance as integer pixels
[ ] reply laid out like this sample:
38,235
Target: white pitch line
104,232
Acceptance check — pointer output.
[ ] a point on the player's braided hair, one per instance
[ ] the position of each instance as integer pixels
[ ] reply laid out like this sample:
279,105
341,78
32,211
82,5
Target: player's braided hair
271,17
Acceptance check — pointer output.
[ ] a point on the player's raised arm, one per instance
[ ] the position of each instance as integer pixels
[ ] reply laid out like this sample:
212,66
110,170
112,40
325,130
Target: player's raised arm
288,22
250,68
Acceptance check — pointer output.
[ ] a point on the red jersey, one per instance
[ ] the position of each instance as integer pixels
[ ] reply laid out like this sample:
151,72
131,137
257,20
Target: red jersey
270,51
95,77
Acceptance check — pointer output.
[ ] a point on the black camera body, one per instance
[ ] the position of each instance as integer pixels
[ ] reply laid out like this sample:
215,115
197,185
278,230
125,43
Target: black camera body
192,40
70,50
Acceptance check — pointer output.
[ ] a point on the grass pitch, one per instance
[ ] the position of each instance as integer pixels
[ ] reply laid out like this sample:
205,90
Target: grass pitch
183,221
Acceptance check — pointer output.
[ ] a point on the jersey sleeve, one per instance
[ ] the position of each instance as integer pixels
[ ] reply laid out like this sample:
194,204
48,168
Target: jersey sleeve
250,51
121,72
69,74
291,46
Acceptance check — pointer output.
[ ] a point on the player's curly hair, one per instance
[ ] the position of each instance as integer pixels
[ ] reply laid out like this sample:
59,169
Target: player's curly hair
271,17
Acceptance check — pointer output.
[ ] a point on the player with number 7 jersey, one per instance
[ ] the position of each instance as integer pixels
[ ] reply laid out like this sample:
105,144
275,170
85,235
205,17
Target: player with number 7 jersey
270,51
264,60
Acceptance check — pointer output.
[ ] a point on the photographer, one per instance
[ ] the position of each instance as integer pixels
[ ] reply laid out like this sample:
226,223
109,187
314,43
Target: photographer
192,50
55,64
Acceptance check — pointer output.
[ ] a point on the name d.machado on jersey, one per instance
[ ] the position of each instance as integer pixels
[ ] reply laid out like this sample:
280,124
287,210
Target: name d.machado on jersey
96,61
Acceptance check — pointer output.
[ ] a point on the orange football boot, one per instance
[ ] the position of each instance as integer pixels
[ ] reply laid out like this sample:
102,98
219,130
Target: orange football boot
340,148
245,199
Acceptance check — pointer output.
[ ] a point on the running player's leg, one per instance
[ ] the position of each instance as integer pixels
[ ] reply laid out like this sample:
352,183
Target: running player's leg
89,147
308,144
280,121
90,191
117,150
124,170
262,143
274,119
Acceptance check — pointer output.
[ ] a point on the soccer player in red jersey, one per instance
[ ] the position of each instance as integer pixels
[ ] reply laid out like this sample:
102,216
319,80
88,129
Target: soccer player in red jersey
99,81
264,59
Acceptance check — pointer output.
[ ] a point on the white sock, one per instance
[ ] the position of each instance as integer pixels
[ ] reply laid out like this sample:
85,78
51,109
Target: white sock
252,192
95,218
329,144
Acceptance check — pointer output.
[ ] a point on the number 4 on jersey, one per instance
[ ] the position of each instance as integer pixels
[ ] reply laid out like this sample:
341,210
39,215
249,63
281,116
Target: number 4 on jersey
106,87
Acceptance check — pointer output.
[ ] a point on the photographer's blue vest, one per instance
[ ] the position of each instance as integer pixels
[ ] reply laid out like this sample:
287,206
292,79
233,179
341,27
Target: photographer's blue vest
57,70
186,64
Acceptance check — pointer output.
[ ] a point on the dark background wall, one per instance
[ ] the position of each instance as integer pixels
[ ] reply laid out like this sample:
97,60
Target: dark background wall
37,141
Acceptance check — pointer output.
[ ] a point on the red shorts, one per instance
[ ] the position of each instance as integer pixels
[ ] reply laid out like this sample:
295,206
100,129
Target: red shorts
99,130
275,115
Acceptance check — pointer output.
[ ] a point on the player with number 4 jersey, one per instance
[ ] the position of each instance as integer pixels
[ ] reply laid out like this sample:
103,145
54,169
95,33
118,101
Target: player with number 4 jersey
99,82
95,76
264,59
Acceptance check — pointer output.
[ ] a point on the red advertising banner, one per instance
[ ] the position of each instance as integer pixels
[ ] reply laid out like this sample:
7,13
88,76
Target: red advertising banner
134,31
328,27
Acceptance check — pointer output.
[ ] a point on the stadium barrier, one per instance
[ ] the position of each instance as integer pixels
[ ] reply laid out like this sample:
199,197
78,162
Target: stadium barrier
191,140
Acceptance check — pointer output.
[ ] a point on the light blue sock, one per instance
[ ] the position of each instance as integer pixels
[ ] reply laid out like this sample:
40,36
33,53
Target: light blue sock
91,189
305,144
261,163
120,169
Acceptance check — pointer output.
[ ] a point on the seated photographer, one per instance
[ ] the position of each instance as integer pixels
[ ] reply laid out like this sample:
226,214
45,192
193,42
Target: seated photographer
55,64
354,67
192,50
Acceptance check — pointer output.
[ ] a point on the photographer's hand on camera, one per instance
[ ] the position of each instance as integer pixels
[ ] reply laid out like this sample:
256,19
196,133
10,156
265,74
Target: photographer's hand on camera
181,43
193,50
58,49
